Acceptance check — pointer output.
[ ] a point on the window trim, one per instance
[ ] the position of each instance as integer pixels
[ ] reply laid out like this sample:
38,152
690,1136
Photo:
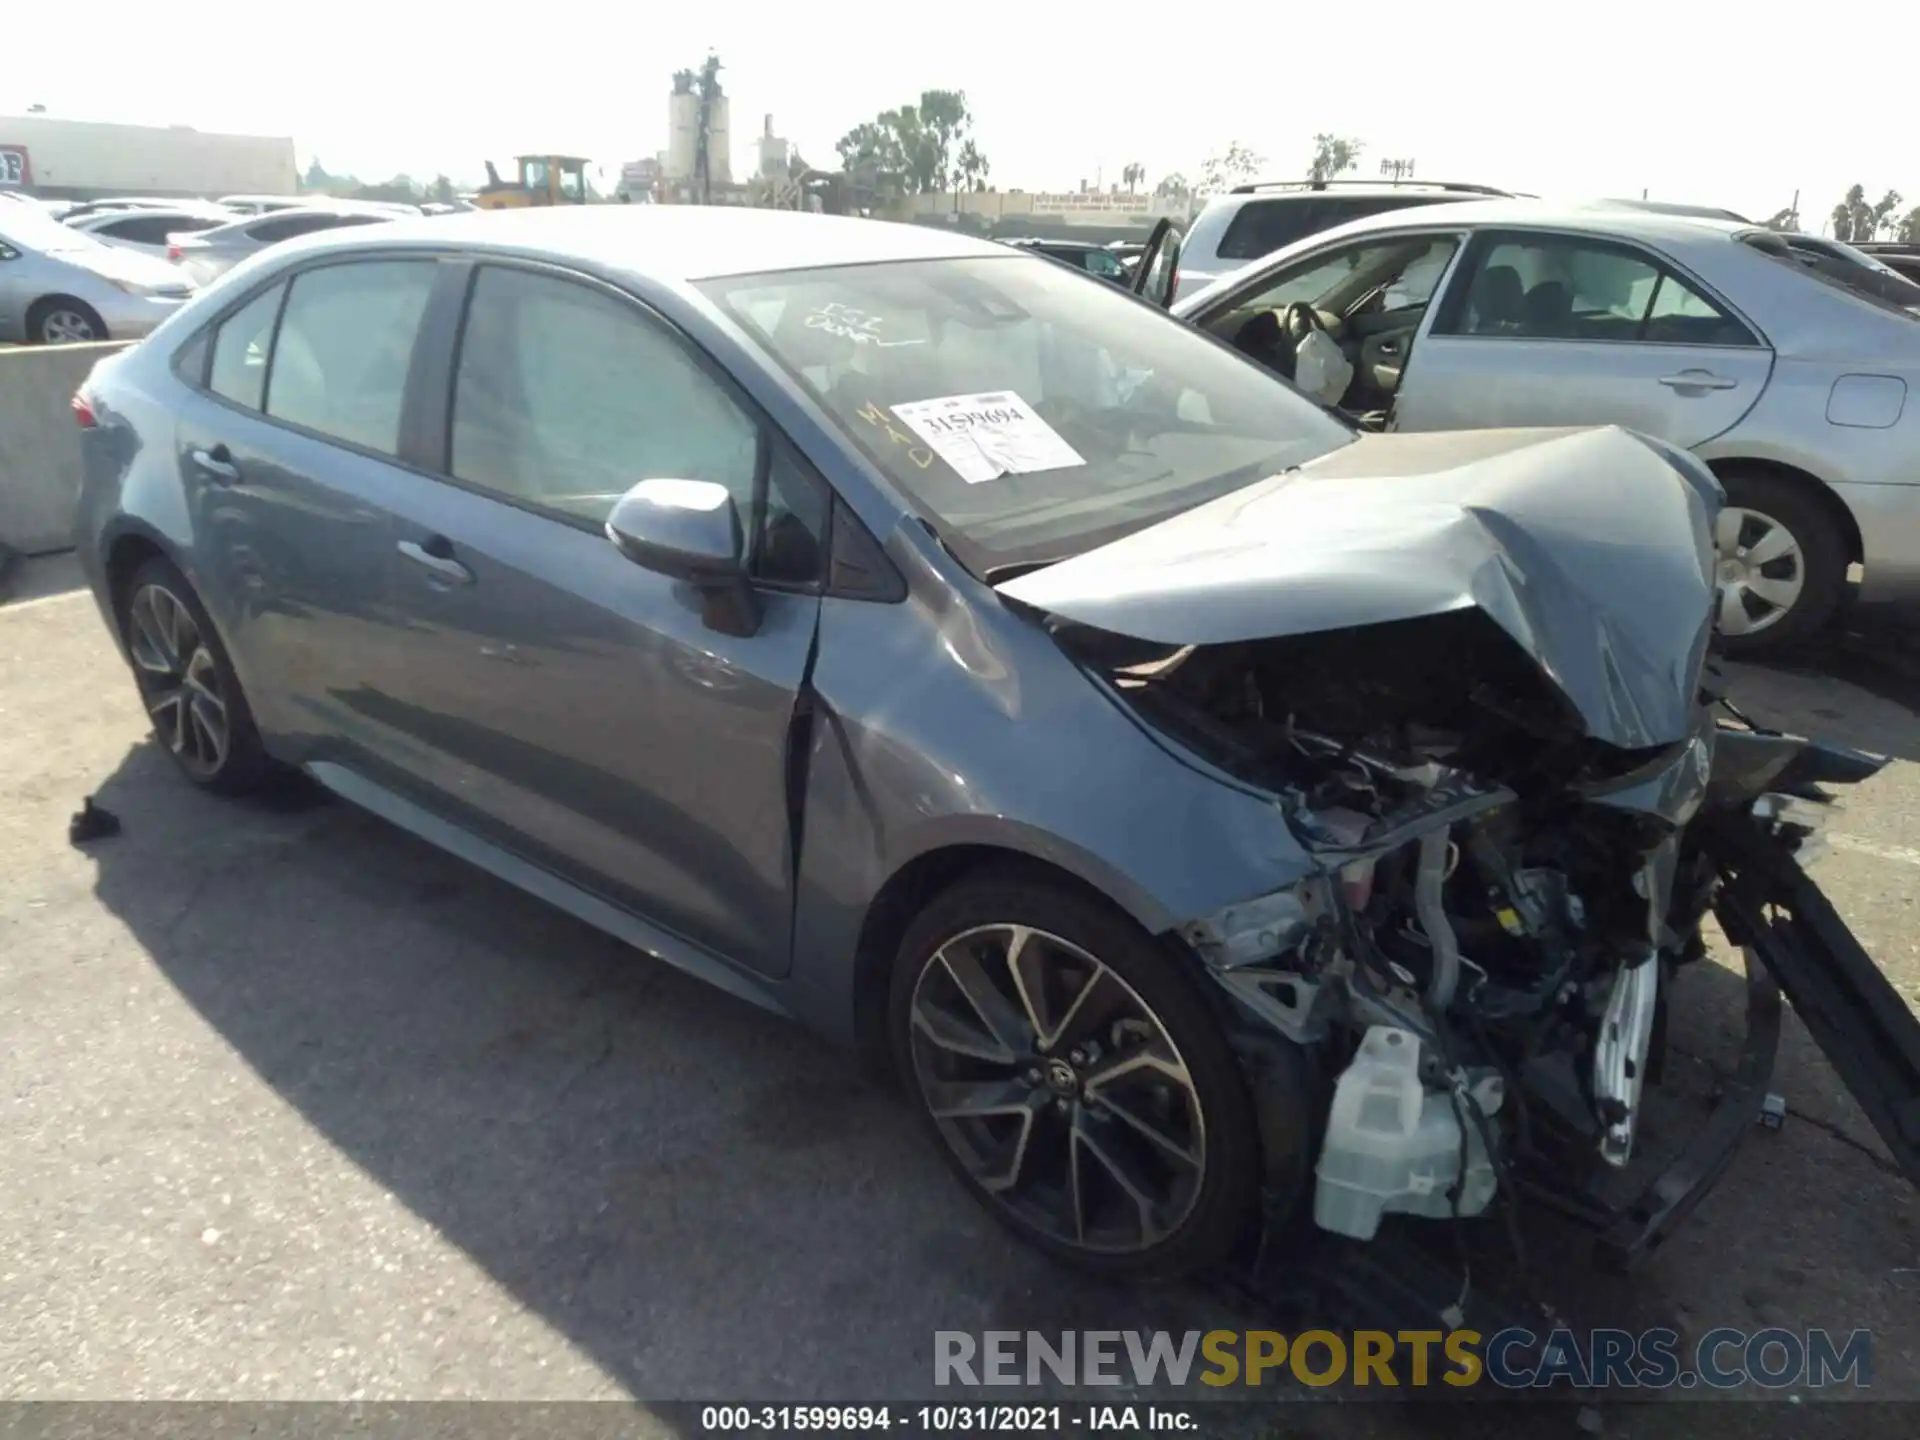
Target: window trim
440,374
285,277
1481,240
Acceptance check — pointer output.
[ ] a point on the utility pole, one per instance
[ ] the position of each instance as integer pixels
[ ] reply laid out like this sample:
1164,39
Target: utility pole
1398,169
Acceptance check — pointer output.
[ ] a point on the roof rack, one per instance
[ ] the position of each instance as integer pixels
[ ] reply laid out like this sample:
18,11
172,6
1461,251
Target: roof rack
1453,185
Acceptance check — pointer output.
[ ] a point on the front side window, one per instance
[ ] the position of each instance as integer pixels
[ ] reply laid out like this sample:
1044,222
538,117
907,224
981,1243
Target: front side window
240,346
344,346
1104,264
565,397
1029,414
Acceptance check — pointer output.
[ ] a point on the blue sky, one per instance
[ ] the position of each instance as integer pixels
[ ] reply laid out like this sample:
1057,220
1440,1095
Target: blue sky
1716,103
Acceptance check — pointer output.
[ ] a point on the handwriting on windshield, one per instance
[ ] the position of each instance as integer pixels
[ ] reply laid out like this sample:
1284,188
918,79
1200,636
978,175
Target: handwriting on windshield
916,452
859,326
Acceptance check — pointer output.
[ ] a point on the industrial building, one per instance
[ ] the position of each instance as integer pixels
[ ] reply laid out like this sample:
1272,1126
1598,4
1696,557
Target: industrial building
60,159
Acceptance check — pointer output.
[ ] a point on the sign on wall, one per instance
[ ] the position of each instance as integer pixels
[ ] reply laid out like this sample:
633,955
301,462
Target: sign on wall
15,171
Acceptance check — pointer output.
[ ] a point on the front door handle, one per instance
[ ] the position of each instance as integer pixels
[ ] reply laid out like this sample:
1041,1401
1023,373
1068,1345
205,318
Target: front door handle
217,464
436,557
1698,380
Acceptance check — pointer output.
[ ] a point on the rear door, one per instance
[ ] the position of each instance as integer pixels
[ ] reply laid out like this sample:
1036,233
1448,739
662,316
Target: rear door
1541,328
287,454
551,693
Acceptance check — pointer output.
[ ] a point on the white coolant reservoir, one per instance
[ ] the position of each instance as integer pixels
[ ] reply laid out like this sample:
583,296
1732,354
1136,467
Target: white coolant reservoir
1394,1145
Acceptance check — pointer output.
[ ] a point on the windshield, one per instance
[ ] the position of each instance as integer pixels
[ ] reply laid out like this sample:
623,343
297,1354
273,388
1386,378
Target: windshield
1028,414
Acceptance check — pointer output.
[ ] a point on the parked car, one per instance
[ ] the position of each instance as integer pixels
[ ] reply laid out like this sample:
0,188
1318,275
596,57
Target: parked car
148,230
1251,221
908,636
58,285
263,204
1792,383
1861,267
80,208
1896,255
1100,261
208,254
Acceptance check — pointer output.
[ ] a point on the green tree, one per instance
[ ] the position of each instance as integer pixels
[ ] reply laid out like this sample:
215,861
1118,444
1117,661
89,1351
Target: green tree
1909,231
1173,187
1236,165
1134,174
916,149
1853,217
1333,155
1882,215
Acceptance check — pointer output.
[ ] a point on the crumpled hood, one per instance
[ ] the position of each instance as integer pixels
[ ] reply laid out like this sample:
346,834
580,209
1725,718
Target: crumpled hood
1591,548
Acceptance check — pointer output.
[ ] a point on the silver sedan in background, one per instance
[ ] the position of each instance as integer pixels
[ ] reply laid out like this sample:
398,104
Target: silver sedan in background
206,255
59,285
1793,382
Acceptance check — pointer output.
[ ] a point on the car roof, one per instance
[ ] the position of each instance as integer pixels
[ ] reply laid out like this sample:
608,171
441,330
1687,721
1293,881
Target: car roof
676,242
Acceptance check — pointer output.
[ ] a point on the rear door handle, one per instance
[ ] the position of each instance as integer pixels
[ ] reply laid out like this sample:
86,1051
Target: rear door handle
436,557
217,464
1698,380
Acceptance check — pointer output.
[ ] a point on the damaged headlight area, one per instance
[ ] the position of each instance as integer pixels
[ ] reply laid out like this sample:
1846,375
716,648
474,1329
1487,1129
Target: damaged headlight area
1476,958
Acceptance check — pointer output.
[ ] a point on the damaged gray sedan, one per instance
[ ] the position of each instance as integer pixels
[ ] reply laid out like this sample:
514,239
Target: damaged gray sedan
1218,819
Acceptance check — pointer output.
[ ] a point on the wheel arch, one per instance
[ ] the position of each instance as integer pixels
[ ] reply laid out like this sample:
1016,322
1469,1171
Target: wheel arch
1830,502
40,306
907,892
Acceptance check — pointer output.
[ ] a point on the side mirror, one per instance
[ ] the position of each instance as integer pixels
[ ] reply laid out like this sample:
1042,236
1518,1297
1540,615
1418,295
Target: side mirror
690,530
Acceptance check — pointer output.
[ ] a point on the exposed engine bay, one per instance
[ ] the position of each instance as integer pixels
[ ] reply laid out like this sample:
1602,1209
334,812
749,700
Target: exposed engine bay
1471,672
1478,971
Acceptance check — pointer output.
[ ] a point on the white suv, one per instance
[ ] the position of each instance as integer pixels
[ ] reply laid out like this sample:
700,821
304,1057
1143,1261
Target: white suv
1250,221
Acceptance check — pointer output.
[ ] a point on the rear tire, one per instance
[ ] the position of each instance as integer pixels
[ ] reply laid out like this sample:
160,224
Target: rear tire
200,715
1789,593
61,320
1094,1105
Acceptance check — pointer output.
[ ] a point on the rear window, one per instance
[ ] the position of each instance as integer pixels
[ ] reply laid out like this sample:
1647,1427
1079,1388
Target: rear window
1264,226
1856,277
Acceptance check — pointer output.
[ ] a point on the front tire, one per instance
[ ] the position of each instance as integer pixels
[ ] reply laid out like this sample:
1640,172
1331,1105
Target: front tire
1781,563
1075,1078
200,715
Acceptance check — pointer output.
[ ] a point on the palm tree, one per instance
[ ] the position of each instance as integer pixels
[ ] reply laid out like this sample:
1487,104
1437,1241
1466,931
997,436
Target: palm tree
1883,215
1134,174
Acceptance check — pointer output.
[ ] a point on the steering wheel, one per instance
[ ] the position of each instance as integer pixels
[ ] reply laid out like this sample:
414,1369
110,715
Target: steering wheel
1301,320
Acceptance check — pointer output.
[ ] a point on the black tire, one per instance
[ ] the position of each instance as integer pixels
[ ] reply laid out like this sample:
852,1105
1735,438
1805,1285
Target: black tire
1219,1205
1823,557
45,312
241,766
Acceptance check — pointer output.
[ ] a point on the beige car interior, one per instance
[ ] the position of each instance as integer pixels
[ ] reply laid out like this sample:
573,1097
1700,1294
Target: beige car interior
1369,297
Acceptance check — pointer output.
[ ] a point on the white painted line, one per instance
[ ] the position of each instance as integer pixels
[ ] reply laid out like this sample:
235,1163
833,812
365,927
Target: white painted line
38,600
1904,854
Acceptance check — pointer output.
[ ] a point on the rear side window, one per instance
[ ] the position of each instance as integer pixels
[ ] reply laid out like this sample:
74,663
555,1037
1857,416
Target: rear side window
345,343
285,227
240,346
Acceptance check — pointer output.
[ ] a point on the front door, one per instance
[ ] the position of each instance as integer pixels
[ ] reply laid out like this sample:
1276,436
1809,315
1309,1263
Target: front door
554,694
1551,329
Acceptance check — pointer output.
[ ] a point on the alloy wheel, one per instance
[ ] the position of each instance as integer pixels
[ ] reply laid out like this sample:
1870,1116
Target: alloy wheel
1760,570
1058,1088
179,680
66,327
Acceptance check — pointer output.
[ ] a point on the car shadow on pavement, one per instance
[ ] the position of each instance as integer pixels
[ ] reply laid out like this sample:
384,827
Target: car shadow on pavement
705,1199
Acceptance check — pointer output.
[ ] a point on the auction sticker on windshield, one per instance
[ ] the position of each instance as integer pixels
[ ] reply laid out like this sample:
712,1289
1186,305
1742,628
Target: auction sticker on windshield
986,436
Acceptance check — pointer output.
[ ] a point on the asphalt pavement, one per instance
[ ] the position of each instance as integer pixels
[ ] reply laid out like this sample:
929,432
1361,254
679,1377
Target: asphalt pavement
294,1107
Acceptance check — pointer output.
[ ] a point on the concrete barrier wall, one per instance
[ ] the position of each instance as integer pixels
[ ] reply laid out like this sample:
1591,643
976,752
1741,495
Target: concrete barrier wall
39,447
